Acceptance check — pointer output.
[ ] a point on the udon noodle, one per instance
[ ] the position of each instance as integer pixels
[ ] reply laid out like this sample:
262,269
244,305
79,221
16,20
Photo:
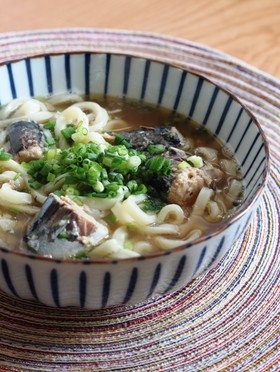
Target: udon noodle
134,191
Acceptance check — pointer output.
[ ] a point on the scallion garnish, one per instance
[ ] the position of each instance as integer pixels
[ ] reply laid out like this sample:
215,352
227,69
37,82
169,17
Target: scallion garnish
156,149
4,156
50,125
88,169
68,132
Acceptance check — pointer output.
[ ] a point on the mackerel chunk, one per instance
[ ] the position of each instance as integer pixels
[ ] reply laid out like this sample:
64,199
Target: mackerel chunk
63,229
26,140
167,136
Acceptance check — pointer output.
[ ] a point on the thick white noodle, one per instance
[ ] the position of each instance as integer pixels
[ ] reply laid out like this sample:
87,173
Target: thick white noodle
214,211
41,116
143,247
120,235
11,107
12,165
207,153
129,211
71,115
201,201
7,194
106,249
124,253
29,107
162,229
112,248
171,213
64,98
102,203
100,114
7,176
165,244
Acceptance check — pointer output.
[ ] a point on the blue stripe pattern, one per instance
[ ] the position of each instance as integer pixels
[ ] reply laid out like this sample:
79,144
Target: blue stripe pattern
67,71
177,274
131,285
163,83
223,116
145,79
180,89
83,288
155,279
217,252
49,74
200,260
211,105
126,75
196,96
29,77
243,136
107,72
257,169
7,277
235,124
30,281
54,287
11,80
106,288
87,73
255,157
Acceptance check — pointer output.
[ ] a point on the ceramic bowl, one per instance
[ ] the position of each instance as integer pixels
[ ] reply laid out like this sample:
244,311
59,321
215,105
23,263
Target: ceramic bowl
103,283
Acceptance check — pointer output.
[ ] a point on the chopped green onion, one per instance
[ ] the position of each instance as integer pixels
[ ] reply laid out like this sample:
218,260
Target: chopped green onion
156,149
4,156
17,176
112,218
50,125
63,235
134,162
98,187
68,132
50,141
120,140
128,245
196,161
183,165
51,177
34,184
71,191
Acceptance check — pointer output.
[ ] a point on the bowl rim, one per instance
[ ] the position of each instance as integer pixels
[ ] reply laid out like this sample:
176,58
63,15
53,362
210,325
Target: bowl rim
244,207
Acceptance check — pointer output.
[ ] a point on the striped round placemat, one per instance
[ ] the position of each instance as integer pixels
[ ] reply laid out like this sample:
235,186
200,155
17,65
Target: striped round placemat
226,320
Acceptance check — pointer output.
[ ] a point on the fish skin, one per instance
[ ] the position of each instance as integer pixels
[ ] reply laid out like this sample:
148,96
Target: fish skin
61,215
26,140
168,136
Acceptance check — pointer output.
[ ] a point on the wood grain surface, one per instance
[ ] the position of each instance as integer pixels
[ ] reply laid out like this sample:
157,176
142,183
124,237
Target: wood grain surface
246,29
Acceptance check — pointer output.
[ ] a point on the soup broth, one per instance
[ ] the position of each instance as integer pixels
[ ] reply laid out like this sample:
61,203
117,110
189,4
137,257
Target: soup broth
90,177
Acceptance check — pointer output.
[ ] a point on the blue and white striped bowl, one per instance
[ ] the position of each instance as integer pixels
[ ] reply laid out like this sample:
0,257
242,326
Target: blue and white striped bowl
102,283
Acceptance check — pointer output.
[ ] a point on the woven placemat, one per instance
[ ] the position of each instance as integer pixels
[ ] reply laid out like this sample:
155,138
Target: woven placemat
226,320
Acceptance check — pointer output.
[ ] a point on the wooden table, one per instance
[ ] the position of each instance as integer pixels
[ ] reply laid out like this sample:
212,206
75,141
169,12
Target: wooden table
246,29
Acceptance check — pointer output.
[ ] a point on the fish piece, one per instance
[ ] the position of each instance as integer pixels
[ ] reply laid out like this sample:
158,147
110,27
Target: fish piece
187,185
63,229
181,187
26,140
167,136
